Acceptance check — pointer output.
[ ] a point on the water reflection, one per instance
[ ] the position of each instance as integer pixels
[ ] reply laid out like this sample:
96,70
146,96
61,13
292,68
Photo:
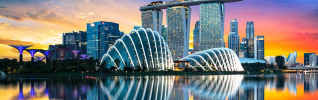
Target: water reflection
213,87
216,87
138,88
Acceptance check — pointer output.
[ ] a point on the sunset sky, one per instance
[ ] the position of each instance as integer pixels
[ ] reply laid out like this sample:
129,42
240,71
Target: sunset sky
288,25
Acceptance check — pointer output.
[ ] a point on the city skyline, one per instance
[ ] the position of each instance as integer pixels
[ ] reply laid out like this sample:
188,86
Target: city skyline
45,24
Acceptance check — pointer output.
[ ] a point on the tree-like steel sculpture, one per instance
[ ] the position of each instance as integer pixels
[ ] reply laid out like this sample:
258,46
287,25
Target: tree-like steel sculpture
76,53
32,52
21,48
38,58
62,50
47,54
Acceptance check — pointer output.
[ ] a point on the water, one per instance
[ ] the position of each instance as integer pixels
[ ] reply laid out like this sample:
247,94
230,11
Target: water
201,87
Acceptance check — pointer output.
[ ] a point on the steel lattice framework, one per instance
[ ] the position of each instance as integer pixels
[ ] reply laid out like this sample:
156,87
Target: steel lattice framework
220,59
142,47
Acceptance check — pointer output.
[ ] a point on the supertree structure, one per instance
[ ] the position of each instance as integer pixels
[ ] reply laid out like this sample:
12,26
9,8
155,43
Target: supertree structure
32,52
62,49
47,54
85,57
39,58
21,48
76,53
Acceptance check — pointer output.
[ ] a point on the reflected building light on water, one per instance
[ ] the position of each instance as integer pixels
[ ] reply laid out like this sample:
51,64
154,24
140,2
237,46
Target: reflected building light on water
192,87
138,88
214,87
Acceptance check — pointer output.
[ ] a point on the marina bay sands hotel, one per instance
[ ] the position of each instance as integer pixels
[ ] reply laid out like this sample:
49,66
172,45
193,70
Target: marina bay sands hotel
178,15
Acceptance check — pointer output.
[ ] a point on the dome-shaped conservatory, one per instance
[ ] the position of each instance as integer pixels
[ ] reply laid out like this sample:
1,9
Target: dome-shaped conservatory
141,48
220,59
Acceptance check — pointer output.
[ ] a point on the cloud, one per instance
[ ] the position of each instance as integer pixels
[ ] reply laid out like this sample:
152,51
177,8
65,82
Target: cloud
43,15
18,42
3,7
4,24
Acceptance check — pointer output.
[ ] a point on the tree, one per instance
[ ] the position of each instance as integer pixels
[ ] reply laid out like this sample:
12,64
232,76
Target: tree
188,69
199,69
280,60
117,62
113,68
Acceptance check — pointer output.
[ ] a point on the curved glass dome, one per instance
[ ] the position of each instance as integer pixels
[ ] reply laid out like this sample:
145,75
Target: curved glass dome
140,48
220,59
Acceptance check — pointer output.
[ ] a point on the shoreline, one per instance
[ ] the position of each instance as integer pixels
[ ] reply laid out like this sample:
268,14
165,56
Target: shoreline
181,73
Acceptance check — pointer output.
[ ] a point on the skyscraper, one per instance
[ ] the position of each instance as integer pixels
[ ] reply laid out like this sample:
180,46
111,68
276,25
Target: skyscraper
152,19
234,42
306,58
234,38
211,25
250,30
259,48
178,21
250,48
196,36
76,41
313,59
100,36
243,48
164,32
234,26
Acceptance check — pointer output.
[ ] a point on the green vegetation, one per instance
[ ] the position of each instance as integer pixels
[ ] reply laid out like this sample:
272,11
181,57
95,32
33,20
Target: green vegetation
68,65
280,60
258,67
7,65
80,67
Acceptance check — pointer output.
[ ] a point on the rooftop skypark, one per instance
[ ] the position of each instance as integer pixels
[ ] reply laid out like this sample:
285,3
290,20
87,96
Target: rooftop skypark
164,5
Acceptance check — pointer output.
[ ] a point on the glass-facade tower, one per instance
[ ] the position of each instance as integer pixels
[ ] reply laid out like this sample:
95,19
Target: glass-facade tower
78,41
152,19
259,48
100,36
234,38
234,26
250,48
196,36
164,32
306,58
243,48
250,30
178,21
211,25
234,42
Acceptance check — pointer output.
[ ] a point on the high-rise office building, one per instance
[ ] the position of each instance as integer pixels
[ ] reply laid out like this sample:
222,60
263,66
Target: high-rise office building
211,25
76,41
178,21
164,32
250,30
234,26
243,48
313,59
306,58
100,36
250,48
234,42
259,47
234,38
152,19
196,36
